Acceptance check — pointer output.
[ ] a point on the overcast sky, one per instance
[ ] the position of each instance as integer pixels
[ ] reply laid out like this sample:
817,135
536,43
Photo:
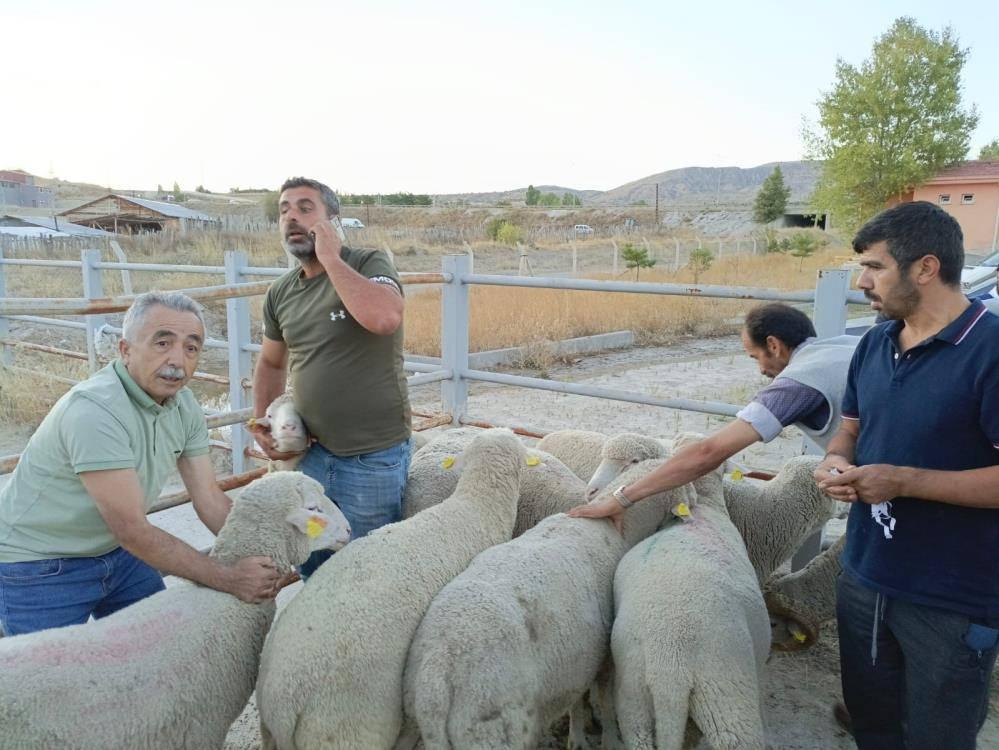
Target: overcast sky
437,96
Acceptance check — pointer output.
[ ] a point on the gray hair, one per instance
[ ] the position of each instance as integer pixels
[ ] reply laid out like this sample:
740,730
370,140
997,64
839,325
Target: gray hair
136,315
327,194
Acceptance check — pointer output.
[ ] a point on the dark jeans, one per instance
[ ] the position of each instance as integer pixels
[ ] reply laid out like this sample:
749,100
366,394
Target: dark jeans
367,488
914,677
43,594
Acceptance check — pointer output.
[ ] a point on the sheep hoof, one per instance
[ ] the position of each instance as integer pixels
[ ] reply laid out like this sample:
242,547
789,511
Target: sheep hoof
797,633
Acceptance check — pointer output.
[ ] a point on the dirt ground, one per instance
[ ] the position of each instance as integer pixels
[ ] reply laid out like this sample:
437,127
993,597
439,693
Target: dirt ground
800,688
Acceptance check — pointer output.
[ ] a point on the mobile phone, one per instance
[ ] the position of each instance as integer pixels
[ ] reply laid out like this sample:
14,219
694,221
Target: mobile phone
335,221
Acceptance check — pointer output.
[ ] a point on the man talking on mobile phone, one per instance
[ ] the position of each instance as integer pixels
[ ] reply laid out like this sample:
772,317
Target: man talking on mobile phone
333,333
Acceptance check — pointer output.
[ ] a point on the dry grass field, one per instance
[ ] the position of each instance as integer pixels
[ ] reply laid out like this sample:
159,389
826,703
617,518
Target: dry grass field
500,316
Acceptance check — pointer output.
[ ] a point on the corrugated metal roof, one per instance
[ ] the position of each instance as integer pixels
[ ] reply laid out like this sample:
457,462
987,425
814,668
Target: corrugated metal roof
46,224
30,232
168,209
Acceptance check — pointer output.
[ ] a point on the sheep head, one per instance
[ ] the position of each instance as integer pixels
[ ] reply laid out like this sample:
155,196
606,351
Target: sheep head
619,453
284,515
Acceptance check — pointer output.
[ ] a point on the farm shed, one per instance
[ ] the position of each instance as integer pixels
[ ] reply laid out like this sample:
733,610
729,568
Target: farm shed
127,214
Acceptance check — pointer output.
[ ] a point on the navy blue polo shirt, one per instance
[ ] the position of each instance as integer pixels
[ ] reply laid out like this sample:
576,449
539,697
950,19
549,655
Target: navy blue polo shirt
934,407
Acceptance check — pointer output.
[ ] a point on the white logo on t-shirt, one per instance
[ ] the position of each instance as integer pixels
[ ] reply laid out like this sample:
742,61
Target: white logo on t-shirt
881,513
338,315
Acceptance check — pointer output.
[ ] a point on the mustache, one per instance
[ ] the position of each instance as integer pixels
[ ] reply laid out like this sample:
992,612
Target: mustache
871,296
177,373
294,228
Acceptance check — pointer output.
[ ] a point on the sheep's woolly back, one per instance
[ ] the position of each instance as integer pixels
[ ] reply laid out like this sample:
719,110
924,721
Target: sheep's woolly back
522,631
775,517
331,671
577,449
547,485
690,635
171,671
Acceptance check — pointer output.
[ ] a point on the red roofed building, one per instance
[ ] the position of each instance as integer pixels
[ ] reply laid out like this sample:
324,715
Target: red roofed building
970,193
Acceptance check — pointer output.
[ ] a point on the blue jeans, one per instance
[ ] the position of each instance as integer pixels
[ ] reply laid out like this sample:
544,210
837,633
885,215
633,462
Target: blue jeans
367,488
914,677
41,594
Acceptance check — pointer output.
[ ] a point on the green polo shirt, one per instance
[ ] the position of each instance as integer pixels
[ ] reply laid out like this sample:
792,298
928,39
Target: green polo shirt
105,422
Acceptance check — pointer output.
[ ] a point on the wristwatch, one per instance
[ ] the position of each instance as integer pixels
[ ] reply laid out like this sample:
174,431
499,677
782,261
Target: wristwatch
622,499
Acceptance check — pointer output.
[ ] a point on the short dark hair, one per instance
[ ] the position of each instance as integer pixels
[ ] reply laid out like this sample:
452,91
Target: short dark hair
328,196
913,230
784,322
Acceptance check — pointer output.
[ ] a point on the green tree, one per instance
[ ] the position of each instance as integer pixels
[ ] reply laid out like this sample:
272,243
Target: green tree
159,189
549,200
888,125
200,189
270,203
532,196
508,234
636,257
700,260
990,150
802,246
771,200
568,199
177,195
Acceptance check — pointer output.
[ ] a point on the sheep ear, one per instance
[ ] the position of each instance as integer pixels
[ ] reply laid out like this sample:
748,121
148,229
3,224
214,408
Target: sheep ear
299,518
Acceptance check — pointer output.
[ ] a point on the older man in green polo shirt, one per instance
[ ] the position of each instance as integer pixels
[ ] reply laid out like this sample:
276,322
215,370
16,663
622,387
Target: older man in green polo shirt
74,538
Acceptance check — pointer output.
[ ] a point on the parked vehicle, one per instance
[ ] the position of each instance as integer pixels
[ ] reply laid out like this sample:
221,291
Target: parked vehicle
583,230
351,223
980,278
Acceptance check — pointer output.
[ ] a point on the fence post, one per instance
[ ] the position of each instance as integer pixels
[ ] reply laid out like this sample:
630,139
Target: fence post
574,257
676,266
6,353
454,337
92,289
829,315
237,315
615,257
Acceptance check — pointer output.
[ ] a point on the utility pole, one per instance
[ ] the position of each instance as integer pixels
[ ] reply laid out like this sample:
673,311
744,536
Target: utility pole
657,204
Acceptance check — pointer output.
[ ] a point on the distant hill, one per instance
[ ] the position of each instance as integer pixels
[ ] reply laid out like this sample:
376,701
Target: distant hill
690,186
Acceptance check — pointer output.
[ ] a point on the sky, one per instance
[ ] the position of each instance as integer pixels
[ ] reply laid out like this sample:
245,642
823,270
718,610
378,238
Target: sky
436,96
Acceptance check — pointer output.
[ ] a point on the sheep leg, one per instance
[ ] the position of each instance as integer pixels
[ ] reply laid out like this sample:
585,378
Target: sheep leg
645,721
409,737
726,708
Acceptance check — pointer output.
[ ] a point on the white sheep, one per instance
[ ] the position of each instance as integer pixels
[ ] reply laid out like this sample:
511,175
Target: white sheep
331,670
580,450
173,670
547,486
800,602
516,640
691,633
773,517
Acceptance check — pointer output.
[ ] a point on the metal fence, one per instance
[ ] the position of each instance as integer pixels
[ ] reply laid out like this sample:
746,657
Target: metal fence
241,281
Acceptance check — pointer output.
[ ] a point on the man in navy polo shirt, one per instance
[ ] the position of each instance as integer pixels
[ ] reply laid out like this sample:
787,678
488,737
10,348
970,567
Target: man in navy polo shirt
918,598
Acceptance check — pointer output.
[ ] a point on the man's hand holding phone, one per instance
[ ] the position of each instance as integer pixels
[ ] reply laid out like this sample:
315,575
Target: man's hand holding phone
327,239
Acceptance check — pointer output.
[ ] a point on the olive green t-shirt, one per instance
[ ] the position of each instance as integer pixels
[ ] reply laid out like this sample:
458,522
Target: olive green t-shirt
348,383
105,422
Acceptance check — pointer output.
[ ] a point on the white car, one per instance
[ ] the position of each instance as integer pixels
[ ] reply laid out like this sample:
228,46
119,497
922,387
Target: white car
979,279
349,223
583,230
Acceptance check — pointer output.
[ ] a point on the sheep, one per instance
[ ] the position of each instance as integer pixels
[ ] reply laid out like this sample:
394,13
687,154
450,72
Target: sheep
580,450
800,602
512,643
173,670
287,430
691,633
331,670
547,485
418,440
618,453
772,518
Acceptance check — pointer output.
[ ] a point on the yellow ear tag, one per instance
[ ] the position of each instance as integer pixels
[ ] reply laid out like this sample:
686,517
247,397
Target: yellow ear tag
736,475
314,527
448,462
251,422
533,460
799,637
681,511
